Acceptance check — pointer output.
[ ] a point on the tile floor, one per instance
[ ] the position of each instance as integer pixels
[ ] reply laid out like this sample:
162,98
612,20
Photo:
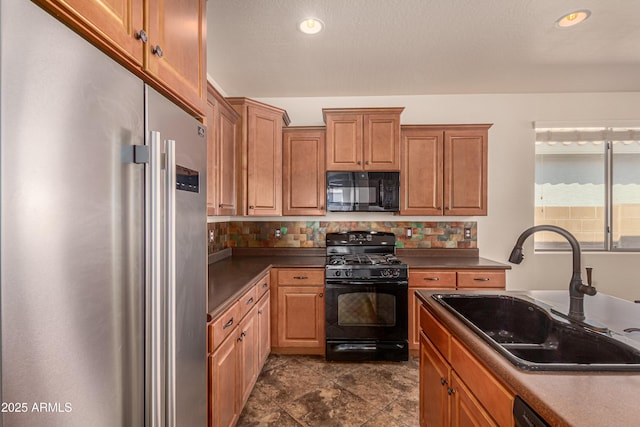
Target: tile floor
295,391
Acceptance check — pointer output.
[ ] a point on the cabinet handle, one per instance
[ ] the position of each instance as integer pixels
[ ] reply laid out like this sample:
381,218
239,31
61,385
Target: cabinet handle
446,208
300,277
229,323
142,36
450,391
359,162
259,311
481,279
250,207
367,162
265,285
434,279
157,50
321,295
250,301
443,381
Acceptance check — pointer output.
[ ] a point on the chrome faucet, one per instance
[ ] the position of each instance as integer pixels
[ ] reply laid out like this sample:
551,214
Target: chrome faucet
577,288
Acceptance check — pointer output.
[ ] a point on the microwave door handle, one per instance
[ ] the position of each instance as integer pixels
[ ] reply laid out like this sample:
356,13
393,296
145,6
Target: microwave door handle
380,193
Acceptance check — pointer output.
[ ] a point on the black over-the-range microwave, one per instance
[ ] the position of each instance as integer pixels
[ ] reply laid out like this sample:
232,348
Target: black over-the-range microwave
363,191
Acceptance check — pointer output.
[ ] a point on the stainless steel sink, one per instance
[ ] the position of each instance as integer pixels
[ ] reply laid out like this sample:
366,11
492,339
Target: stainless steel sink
532,337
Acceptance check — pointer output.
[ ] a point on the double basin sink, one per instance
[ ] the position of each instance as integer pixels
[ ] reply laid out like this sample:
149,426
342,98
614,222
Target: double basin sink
530,336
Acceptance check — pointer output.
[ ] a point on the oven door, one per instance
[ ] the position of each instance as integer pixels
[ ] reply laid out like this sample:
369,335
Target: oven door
366,311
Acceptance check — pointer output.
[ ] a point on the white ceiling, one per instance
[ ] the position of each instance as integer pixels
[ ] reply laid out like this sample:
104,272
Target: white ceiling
417,47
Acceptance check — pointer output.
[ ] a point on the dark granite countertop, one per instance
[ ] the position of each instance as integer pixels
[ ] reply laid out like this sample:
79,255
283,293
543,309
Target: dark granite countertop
561,398
231,275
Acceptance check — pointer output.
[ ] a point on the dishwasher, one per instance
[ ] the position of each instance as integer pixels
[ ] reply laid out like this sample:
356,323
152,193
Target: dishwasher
525,416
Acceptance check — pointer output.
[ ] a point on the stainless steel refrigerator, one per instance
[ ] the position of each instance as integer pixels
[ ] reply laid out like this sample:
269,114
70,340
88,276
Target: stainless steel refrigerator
103,238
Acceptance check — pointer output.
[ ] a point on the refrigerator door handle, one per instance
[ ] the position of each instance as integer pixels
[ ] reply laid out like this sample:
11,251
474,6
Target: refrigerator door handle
170,280
156,261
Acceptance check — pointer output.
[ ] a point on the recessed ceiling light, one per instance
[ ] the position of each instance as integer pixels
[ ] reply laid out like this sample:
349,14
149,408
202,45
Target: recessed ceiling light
311,26
573,18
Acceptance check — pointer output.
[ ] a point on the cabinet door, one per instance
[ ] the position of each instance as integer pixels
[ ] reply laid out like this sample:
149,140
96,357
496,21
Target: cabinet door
434,384
247,355
344,142
264,329
111,24
264,163
381,142
226,183
303,172
212,156
421,177
465,172
301,316
175,54
465,409
223,406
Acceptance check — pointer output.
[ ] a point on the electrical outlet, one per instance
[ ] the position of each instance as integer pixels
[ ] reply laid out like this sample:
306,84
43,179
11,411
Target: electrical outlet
278,233
409,232
467,232
211,236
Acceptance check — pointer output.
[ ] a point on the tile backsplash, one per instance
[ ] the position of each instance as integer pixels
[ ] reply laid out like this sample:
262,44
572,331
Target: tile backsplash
311,234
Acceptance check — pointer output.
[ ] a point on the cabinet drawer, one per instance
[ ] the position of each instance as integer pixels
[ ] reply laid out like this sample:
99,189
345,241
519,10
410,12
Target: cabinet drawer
297,277
247,301
432,279
223,325
484,386
436,333
263,285
481,279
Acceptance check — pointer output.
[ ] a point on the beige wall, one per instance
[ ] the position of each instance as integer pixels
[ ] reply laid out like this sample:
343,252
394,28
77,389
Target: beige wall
511,171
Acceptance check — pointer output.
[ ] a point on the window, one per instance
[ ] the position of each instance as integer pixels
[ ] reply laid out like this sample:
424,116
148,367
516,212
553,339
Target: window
587,180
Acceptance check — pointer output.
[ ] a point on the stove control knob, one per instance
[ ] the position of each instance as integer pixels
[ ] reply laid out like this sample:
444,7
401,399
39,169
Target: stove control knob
337,273
348,273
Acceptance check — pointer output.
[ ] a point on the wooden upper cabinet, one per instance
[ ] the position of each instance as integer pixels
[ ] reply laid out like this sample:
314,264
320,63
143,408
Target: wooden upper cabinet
465,171
303,171
221,161
421,177
111,24
259,158
444,170
175,54
161,41
363,139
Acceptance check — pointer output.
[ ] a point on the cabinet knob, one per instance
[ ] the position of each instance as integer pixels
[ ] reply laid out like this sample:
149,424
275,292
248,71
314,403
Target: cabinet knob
157,50
367,162
250,207
443,381
321,295
450,391
142,36
359,162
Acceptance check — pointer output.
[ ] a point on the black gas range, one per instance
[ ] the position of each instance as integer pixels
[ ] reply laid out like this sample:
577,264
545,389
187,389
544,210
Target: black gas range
366,291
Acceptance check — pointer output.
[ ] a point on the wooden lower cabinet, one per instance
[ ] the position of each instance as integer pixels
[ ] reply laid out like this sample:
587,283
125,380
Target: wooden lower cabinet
298,311
465,408
238,347
248,355
429,280
456,389
264,328
223,365
435,375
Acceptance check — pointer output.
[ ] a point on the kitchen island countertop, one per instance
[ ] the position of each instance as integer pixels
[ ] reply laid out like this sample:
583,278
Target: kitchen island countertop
561,398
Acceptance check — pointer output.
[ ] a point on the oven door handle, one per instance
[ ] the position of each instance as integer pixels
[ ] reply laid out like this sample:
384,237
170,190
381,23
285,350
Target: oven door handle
329,283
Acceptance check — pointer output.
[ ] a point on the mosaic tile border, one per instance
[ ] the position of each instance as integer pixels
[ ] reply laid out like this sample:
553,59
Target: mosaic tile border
311,234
